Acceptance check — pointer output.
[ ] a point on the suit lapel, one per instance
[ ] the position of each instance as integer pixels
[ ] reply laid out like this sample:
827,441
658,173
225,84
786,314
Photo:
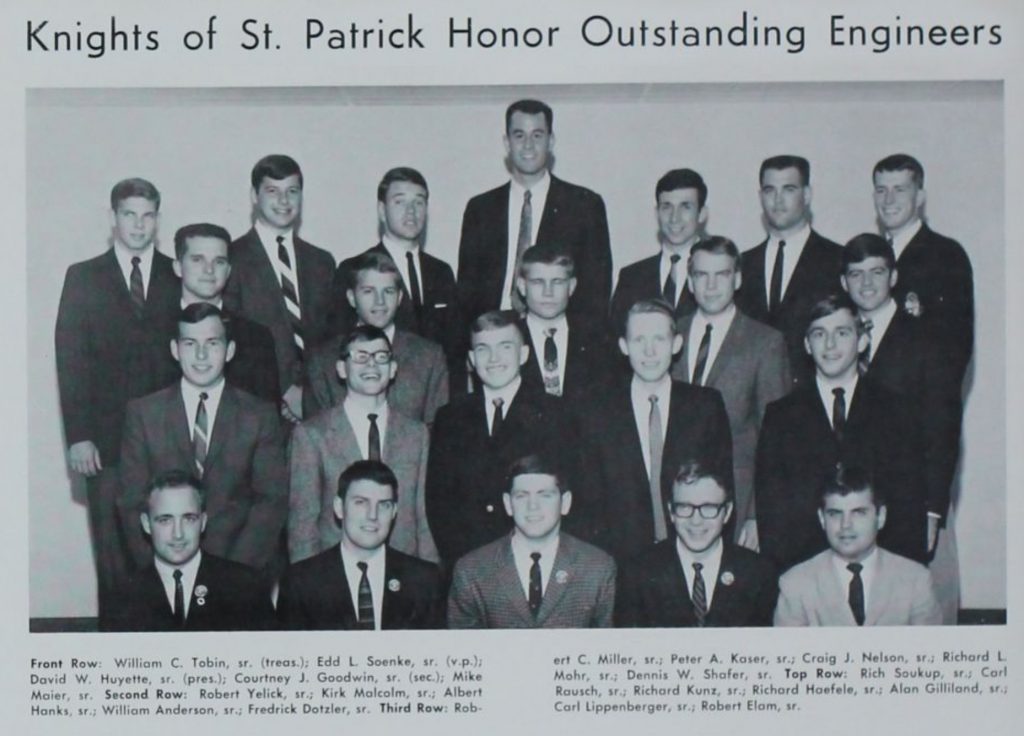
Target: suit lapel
628,440
753,279
562,573
224,425
880,594
395,606
266,276
337,596
833,595
552,206
673,582
498,249
395,437
732,344
684,325
341,439
115,283
724,598
507,580
176,425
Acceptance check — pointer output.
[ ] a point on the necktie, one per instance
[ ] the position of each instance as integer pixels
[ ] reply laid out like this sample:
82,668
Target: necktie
839,412
864,359
414,286
138,293
552,383
179,601
291,295
536,591
856,592
775,290
365,599
657,447
699,596
669,290
373,446
200,435
523,242
702,357
498,419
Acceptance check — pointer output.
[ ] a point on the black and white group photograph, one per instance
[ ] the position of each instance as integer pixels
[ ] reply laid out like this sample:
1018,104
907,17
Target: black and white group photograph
510,357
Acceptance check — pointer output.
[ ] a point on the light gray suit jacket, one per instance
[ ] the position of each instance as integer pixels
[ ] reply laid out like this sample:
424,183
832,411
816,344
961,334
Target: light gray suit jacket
811,594
751,370
321,448
486,591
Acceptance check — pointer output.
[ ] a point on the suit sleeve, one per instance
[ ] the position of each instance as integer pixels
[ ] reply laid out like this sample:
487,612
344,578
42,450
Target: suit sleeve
317,395
304,494
437,387
955,319
773,381
256,543
718,439
789,611
291,613
595,276
925,610
135,470
767,598
769,486
425,548
627,597
942,412
76,364
465,606
439,488
341,317
605,607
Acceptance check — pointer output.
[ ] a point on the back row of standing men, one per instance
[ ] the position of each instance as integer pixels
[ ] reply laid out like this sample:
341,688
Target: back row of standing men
285,298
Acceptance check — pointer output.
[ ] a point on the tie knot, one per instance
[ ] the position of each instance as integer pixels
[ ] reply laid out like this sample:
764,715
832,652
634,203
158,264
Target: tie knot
535,556
526,196
855,567
498,403
697,567
280,240
372,418
674,258
177,575
867,324
839,392
653,398
782,244
203,396
136,260
707,329
408,256
362,567
550,332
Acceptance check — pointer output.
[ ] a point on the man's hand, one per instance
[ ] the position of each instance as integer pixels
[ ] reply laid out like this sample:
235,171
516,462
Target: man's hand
748,535
291,404
84,458
933,532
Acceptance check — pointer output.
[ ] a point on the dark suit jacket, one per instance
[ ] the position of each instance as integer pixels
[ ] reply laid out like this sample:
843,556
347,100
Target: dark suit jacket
105,354
573,217
938,271
617,505
315,594
588,362
751,370
245,475
254,291
909,362
798,450
815,277
642,280
486,591
236,600
652,590
466,469
420,387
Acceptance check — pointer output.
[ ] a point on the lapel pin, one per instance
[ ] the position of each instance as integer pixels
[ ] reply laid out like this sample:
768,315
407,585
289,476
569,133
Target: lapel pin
394,585
561,577
727,578
912,305
200,591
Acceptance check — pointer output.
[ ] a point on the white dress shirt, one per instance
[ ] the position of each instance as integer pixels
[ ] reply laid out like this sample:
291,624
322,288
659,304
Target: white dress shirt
825,387
521,551
396,250
880,322
359,420
538,197
538,335
720,324
189,571
679,272
374,575
902,237
269,239
124,257
794,247
711,560
190,395
640,394
506,394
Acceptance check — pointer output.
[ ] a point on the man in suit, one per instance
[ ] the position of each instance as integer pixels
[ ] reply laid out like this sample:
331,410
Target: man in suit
362,427
745,360
201,262
568,356
794,267
427,305
478,435
936,281
537,576
376,295
680,198
227,437
699,579
115,313
361,582
837,417
637,433
855,582
534,207
183,588
278,279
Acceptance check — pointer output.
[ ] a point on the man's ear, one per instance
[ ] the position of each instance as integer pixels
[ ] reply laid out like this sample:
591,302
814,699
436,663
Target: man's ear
881,516
202,522
144,520
524,354
339,507
566,502
623,346
342,371
506,500
176,267
351,297
727,513
677,344
230,353
174,349
821,518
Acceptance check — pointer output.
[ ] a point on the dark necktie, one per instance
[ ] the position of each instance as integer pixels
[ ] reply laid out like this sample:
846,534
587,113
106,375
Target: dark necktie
856,592
138,293
200,435
700,596
365,599
536,591
523,242
864,359
657,448
373,446
498,419
552,383
179,601
775,290
839,412
702,357
414,286
669,290
291,295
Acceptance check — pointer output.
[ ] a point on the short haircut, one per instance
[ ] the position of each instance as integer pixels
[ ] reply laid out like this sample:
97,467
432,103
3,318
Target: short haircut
845,480
275,166
373,470
548,254
650,306
830,305
400,173
174,478
868,245
197,230
690,471
495,320
901,162
538,463
196,312
682,179
361,333
530,107
134,187
786,161
371,261
717,245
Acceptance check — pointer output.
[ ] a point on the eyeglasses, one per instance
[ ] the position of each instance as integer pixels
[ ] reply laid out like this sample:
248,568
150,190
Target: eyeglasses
706,510
361,357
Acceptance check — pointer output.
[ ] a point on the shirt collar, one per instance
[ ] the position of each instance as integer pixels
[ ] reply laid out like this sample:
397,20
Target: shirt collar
213,393
795,241
720,322
641,392
506,394
540,189
905,234
188,570
396,247
711,557
268,236
522,547
868,564
538,326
